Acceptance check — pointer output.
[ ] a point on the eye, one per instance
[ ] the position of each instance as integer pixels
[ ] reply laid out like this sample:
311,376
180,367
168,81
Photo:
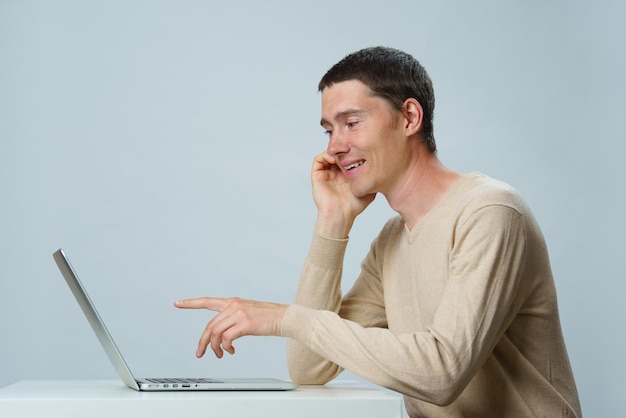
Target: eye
352,124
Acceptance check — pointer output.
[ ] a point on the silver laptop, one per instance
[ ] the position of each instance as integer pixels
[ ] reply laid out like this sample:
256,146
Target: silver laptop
151,384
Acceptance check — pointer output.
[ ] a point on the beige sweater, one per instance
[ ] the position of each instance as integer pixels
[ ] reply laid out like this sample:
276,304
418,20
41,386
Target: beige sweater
459,314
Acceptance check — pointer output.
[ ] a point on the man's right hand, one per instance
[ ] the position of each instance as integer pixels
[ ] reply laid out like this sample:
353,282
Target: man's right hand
337,206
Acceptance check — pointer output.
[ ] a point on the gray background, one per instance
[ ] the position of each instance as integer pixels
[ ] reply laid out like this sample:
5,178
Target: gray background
166,145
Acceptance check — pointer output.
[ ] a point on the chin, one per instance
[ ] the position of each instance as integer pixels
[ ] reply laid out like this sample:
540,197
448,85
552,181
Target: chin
361,192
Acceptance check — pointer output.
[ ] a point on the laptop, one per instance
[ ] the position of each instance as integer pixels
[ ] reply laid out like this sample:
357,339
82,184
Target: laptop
151,384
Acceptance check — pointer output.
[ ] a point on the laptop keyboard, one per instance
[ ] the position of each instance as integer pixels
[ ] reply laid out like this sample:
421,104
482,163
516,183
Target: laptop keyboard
188,380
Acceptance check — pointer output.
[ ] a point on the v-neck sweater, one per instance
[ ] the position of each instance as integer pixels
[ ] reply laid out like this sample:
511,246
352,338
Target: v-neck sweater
459,314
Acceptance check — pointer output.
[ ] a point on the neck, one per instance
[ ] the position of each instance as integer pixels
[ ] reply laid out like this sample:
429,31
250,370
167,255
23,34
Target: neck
424,185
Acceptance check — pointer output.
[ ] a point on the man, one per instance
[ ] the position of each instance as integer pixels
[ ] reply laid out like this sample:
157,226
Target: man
455,306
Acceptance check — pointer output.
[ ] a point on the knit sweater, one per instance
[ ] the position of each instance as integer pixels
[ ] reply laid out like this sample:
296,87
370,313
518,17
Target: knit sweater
459,314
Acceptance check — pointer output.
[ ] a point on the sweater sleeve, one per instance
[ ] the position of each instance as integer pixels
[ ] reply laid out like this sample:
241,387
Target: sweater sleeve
479,301
319,292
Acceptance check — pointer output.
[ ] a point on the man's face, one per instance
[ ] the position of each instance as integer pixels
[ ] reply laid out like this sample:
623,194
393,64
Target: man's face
366,137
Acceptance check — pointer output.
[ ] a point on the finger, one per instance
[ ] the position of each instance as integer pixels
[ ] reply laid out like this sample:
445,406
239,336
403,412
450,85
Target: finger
220,326
325,172
216,345
324,157
205,339
213,304
226,327
229,336
213,336
323,161
209,334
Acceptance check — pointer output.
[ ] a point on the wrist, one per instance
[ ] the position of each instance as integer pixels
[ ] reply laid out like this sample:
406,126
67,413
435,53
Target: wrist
333,228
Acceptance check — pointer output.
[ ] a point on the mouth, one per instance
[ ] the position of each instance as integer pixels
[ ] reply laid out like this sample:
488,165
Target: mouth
354,165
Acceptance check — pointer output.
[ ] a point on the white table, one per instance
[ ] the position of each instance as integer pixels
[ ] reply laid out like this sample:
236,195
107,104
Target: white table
105,398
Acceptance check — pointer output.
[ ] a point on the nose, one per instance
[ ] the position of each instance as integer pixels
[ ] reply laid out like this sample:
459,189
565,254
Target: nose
337,145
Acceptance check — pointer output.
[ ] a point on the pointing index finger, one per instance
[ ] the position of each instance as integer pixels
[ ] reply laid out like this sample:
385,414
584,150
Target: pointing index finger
213,304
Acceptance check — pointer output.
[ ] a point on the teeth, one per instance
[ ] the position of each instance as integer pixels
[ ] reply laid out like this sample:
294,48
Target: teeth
355,165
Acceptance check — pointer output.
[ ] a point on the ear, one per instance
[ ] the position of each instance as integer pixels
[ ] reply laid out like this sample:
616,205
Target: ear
413,116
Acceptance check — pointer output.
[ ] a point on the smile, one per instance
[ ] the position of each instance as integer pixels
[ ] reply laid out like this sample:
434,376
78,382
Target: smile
355,165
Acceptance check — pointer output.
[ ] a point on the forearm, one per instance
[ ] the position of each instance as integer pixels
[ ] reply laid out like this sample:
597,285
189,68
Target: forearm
319,289
412,364
320,278
305,365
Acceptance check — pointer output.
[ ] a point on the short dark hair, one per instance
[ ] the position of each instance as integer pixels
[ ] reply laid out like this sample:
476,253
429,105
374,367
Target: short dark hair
393,75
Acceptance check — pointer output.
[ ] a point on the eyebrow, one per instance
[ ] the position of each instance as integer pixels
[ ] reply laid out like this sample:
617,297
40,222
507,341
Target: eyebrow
343,114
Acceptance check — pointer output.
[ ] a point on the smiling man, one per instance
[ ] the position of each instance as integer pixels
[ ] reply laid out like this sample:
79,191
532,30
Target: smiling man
455,306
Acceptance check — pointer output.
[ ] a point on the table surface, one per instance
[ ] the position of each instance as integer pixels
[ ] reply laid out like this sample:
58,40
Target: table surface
104,398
